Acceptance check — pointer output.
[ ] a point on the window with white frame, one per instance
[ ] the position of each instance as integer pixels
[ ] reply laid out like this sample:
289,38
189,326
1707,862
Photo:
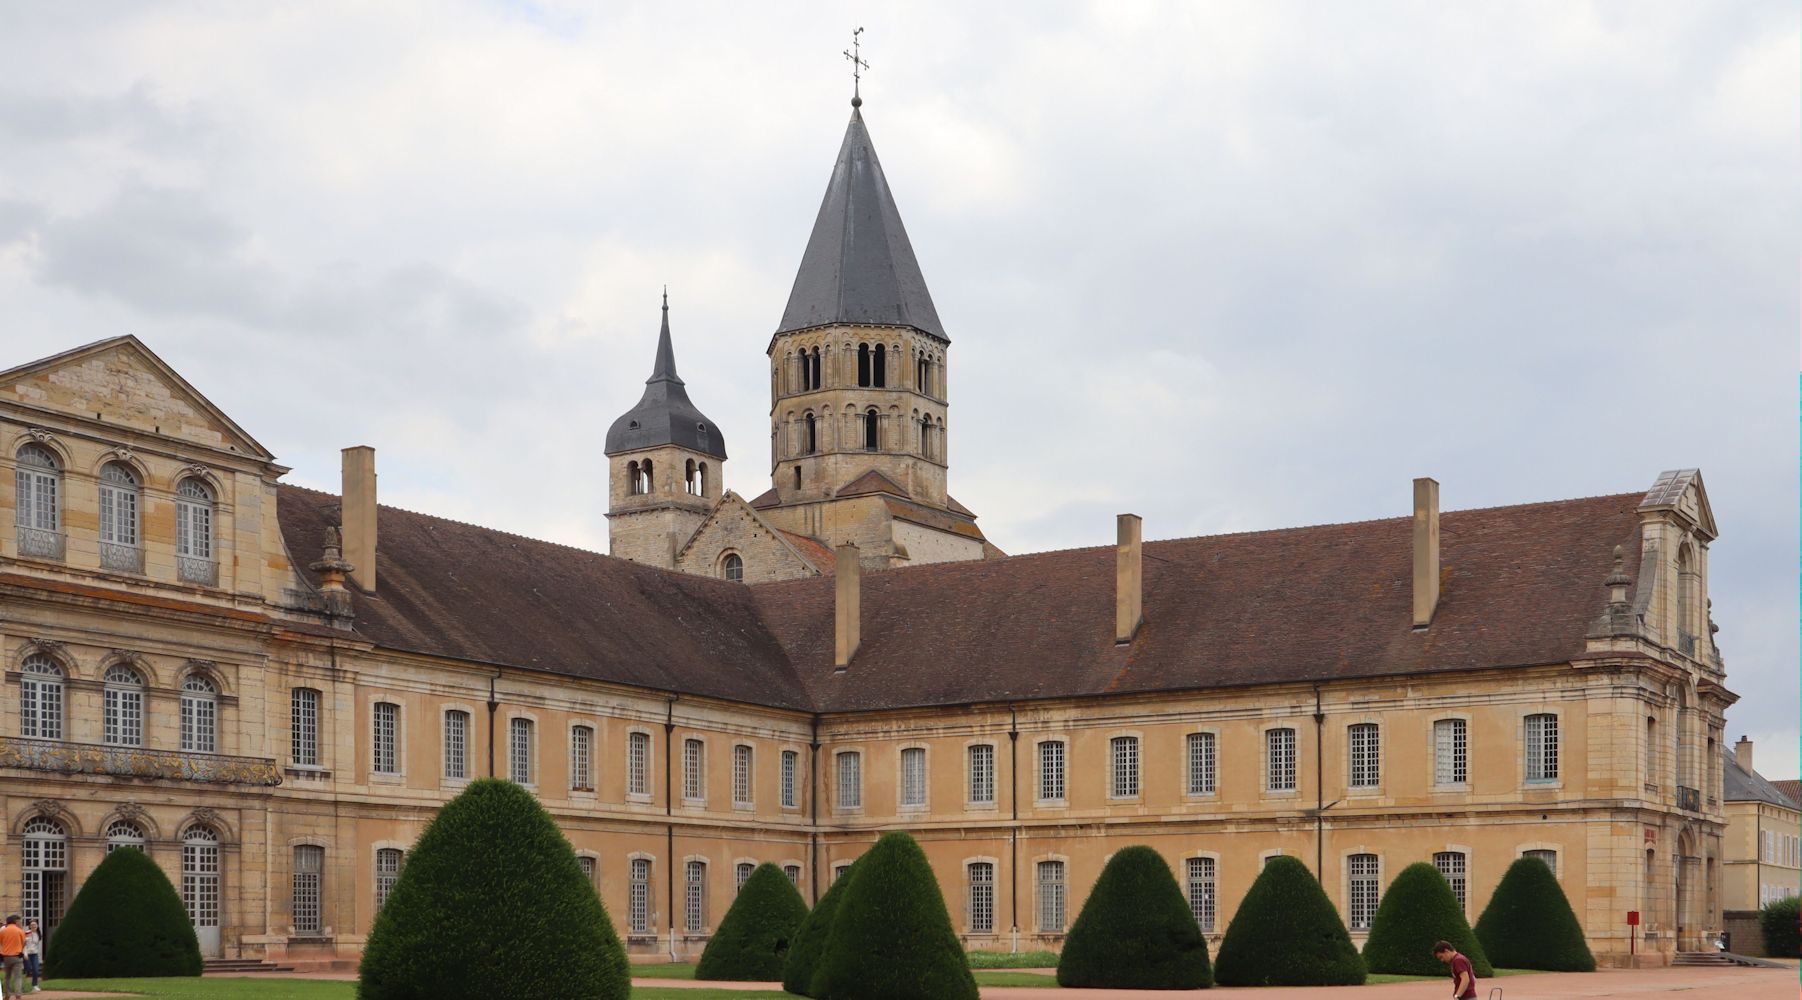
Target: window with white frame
1200,761
1452,865
309,873
194,531
982,774
199,715
581,759
387,872
303,725
913,777
1450,763
384,754
742,772
456,744
850,779
1279,760
1361,897
200,875
1201,892
124,706
1123,775
1542,747
694,764
38,483
40,698
519,750
790,764
589,867
1051,771
638,763
1051,897
1365,756
119,503
982,897
741,873
44,871
638,901
1549,857
124,833
694,900
794,874
839,870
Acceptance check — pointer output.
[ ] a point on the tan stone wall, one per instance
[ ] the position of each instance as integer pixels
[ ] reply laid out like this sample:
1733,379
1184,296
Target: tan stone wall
1749,870
734,529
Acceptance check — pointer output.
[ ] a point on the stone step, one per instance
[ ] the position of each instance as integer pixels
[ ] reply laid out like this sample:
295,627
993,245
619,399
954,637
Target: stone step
237,966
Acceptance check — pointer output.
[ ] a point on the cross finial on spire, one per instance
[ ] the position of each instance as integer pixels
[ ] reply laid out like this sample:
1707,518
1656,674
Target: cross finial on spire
855,54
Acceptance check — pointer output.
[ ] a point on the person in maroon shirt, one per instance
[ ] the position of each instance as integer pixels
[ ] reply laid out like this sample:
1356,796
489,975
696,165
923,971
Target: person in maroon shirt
1464,981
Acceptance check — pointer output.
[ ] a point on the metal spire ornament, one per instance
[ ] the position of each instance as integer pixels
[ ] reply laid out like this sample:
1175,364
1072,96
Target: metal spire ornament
855,54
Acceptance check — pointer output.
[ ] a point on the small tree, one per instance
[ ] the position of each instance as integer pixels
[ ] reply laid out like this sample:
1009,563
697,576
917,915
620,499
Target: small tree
809,942
1778,923
1287,933
1418,910
125,922
891,938
491,903
753,938
1135,932
1528,923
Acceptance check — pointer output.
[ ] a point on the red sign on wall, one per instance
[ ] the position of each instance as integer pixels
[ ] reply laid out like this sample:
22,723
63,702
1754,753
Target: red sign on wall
1651,834
1632,918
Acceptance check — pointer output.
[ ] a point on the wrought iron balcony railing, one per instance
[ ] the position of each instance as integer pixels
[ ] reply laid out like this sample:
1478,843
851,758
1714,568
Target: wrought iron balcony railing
121,558
1689,798
193,569
40,543
61,757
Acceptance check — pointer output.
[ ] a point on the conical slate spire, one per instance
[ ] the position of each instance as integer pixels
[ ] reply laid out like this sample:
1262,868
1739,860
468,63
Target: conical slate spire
859,266
664,415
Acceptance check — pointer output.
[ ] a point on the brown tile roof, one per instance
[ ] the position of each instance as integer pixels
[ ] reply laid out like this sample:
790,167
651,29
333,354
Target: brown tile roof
907,510
818,554
871,482
767,499
1792,788
958,508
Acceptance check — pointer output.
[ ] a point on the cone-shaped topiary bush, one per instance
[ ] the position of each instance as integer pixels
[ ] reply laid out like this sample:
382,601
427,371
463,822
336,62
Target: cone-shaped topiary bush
891,938
1419,910
125,922
491,904
1528,923
1136,931
1287,933
753,938
809,942
1777,924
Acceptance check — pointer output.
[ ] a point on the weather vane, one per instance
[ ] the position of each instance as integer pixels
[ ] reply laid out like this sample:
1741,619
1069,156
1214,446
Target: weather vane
855,54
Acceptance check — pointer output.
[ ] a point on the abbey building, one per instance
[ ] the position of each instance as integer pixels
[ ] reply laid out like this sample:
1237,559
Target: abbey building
271,689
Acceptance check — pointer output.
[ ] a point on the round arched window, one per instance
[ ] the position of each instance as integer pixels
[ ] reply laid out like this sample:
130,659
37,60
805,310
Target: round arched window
733,567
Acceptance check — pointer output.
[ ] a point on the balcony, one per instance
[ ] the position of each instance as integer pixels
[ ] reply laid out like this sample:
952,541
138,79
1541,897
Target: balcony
121,558
1689,798
39,543
60,757
194,569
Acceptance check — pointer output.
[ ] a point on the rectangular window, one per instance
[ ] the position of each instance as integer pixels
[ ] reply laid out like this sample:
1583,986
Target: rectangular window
638,904
304,725
1200,761
1362,898
694,900
694,763
387,872
124,716
1362,742
794,874
839,870
1123,778
383,756
1051,771
1542,747
1201,892
740,874
982,897
1279,760
581,759
1651,751
850,780
199,719
41,700
982,774
589,867
790,760
519,750
1450,766
638,763
741,775
913,777
1549,857
1451,865
456,744
1051,897
309,870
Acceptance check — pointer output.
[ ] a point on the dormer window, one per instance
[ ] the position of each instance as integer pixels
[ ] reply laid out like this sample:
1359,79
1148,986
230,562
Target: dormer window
119,549
733,568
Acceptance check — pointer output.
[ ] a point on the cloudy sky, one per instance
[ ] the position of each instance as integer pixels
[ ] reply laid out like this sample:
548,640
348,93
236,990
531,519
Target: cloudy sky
1227,265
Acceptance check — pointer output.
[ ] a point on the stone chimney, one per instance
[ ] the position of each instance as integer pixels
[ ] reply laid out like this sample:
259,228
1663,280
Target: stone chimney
1742,754
1129,579
1426,551
332,569
358,515
848,609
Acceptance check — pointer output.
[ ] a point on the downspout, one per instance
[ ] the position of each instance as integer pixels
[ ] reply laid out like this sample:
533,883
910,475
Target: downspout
1319,791
669,826
1013,864
493,704
813,806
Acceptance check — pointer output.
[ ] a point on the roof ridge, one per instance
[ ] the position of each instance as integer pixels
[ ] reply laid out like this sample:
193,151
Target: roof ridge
467,524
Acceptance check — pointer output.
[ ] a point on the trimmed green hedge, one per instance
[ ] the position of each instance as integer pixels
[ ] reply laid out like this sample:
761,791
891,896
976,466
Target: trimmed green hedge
809,942
753,938
126,921
1528,923
1418,910
1287,933
491,903
1779,924
1136,931
891,938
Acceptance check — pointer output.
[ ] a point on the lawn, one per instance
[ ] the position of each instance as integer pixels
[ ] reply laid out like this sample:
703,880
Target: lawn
1378,978
222,988
1013,960
984,976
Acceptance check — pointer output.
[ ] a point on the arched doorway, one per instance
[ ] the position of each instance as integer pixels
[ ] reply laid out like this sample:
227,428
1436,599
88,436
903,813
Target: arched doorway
1685,867
200,886
44,871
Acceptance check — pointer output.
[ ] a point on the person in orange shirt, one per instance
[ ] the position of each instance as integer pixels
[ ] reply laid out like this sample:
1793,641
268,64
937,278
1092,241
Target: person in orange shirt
12,958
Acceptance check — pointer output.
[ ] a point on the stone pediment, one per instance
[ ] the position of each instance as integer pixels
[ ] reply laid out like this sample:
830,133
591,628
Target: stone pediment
126,385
